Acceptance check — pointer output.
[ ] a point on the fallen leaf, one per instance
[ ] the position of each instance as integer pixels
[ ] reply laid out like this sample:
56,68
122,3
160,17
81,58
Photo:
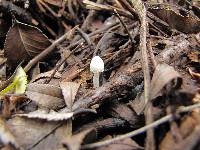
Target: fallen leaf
184,23
126,144
9,104
69,91
45,75
45,101
30,131
45,95
194,74
6,135
53,141
23,42
74,143
19,83
47,89
21,79
163,75
194,56
124,112
187,128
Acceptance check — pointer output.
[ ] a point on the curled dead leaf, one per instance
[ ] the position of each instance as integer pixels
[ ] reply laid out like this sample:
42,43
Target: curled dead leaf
45,95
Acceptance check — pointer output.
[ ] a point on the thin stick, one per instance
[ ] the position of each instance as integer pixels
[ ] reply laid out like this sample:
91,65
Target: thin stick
92,34
87,40
152,57
84,36
96,6
46,51
125,27
165,119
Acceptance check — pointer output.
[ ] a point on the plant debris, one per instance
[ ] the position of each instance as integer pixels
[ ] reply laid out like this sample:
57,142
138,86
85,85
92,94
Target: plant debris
147,97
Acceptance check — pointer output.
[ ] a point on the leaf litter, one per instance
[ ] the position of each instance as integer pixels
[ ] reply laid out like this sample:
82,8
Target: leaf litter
151,77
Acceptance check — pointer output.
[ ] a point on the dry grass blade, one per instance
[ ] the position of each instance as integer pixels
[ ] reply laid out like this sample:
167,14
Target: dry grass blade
52,116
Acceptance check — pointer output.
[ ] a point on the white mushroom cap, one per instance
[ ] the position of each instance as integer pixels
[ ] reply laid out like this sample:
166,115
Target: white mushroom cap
96,65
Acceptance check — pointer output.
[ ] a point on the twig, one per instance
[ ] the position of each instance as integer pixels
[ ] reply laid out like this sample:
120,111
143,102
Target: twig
93,34
88,20
84,36
46,51
150,142
56,69
48,8
125,27
152,57
70,8
87,40
141,11
95,6
165,119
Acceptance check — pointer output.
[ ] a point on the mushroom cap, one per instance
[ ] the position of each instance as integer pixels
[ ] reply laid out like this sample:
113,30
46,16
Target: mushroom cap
96,65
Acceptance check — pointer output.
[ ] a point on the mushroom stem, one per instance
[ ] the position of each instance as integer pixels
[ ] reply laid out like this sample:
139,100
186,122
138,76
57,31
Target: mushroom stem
96,79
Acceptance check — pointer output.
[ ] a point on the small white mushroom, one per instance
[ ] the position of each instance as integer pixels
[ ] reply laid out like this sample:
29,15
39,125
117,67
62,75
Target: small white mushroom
96,66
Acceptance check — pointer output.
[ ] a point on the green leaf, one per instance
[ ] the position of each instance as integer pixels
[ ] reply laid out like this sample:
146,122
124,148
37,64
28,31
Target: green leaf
21,79
8,88
19,83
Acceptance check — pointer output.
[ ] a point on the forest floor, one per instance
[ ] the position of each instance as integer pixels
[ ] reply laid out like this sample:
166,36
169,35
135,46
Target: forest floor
148,71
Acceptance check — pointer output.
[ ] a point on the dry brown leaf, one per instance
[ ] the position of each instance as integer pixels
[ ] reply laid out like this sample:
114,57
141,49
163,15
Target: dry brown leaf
45,101
47,89
187,129
185,23
194,74
69,91
6,135
30,131
74,143
45,95
51,116
54,140
23,42
124,112
126,144
46,75
163,75
194,56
